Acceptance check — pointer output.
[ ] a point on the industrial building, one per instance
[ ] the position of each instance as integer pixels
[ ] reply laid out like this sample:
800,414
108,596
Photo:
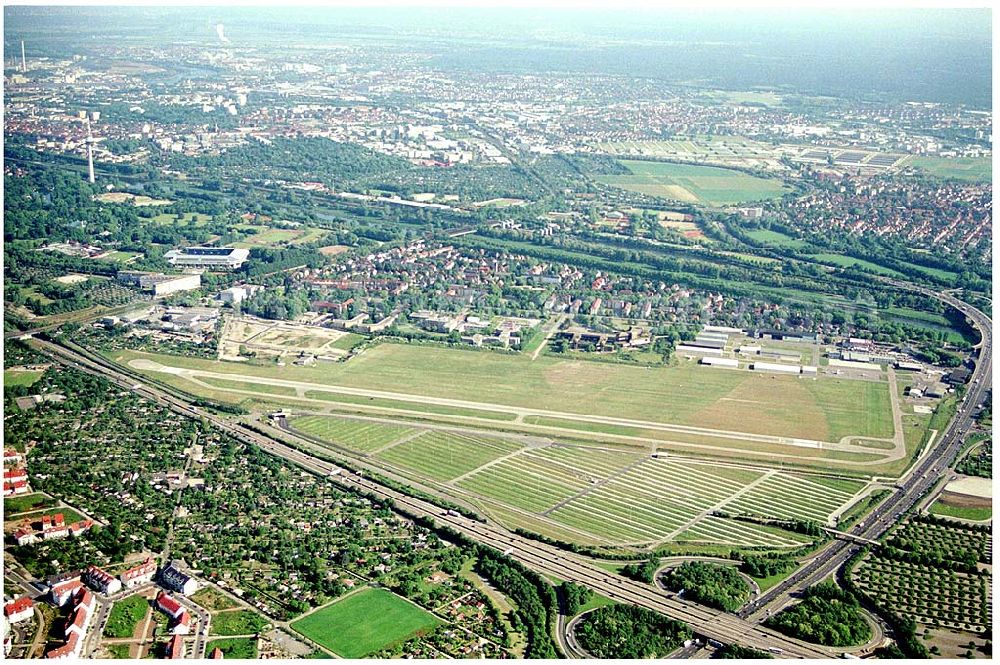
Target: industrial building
211,258
730,363
159,284
774,367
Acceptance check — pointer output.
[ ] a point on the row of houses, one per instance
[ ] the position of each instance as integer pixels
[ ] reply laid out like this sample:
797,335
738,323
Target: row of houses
49,527
80,614
15,481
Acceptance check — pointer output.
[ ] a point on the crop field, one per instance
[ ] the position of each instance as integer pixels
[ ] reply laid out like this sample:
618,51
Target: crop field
364,622
446,455
360,436
694,184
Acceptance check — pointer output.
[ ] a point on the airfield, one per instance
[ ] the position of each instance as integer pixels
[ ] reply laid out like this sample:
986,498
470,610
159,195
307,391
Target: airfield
619,455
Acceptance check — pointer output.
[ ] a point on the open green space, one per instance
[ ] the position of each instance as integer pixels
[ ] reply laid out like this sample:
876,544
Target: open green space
21,378
694,184
237,622
446,455
970,169
686,394
237,648
974,513
850,262
27,503
364,622
418,407
125,616
775,238
213,600
357,435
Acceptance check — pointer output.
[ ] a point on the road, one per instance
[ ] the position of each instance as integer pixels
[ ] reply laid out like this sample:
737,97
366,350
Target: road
918,481
744,628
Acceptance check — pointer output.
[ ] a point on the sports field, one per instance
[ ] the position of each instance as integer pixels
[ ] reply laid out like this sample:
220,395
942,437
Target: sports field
694,184
364,622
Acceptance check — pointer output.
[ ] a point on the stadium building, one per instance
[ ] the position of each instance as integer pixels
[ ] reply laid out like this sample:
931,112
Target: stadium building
211,258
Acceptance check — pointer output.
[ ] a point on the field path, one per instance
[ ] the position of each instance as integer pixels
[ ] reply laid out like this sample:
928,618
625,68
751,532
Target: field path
409,437
558,321
587,490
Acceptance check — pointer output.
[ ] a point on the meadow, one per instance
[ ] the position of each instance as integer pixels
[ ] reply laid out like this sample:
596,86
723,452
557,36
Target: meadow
694,184
686,394
364,622
969,169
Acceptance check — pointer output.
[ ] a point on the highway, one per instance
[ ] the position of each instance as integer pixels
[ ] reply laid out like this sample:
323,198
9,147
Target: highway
744,628
918,481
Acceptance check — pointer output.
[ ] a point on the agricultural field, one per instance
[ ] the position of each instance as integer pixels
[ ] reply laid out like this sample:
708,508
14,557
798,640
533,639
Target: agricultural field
687,183
363,622
970,169
931,572
358,435
446,455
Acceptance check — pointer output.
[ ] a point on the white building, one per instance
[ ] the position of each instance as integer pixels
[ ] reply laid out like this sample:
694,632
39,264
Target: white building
140,574
774,367
212,258
731,363
102,581
160,284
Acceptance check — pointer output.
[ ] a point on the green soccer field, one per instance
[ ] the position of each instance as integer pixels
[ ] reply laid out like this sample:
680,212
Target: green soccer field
695,184
365,622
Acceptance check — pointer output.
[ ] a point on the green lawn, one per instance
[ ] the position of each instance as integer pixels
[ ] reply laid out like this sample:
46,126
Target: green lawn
27,503
961,512
849,261
364,622
774,238
971,169
357,435
234,649
694,184
125,616
237,622
444,455
686,394
20,378
213,600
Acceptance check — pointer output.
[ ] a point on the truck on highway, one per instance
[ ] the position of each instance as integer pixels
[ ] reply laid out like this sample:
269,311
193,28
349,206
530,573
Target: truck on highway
775,650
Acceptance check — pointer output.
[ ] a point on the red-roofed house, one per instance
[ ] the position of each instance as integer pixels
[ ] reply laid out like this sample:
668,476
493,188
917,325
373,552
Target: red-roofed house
176,647
62,592
217,654
169,605
15,487
141,574
11,456
182,625
15,474
102,581
69,650
25,536
18,610
77,528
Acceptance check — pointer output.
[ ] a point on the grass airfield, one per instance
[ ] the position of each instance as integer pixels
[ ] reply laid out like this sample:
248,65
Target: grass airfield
620,455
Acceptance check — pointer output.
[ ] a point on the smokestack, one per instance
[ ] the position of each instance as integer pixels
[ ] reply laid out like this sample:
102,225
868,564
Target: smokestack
90,154
24,60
